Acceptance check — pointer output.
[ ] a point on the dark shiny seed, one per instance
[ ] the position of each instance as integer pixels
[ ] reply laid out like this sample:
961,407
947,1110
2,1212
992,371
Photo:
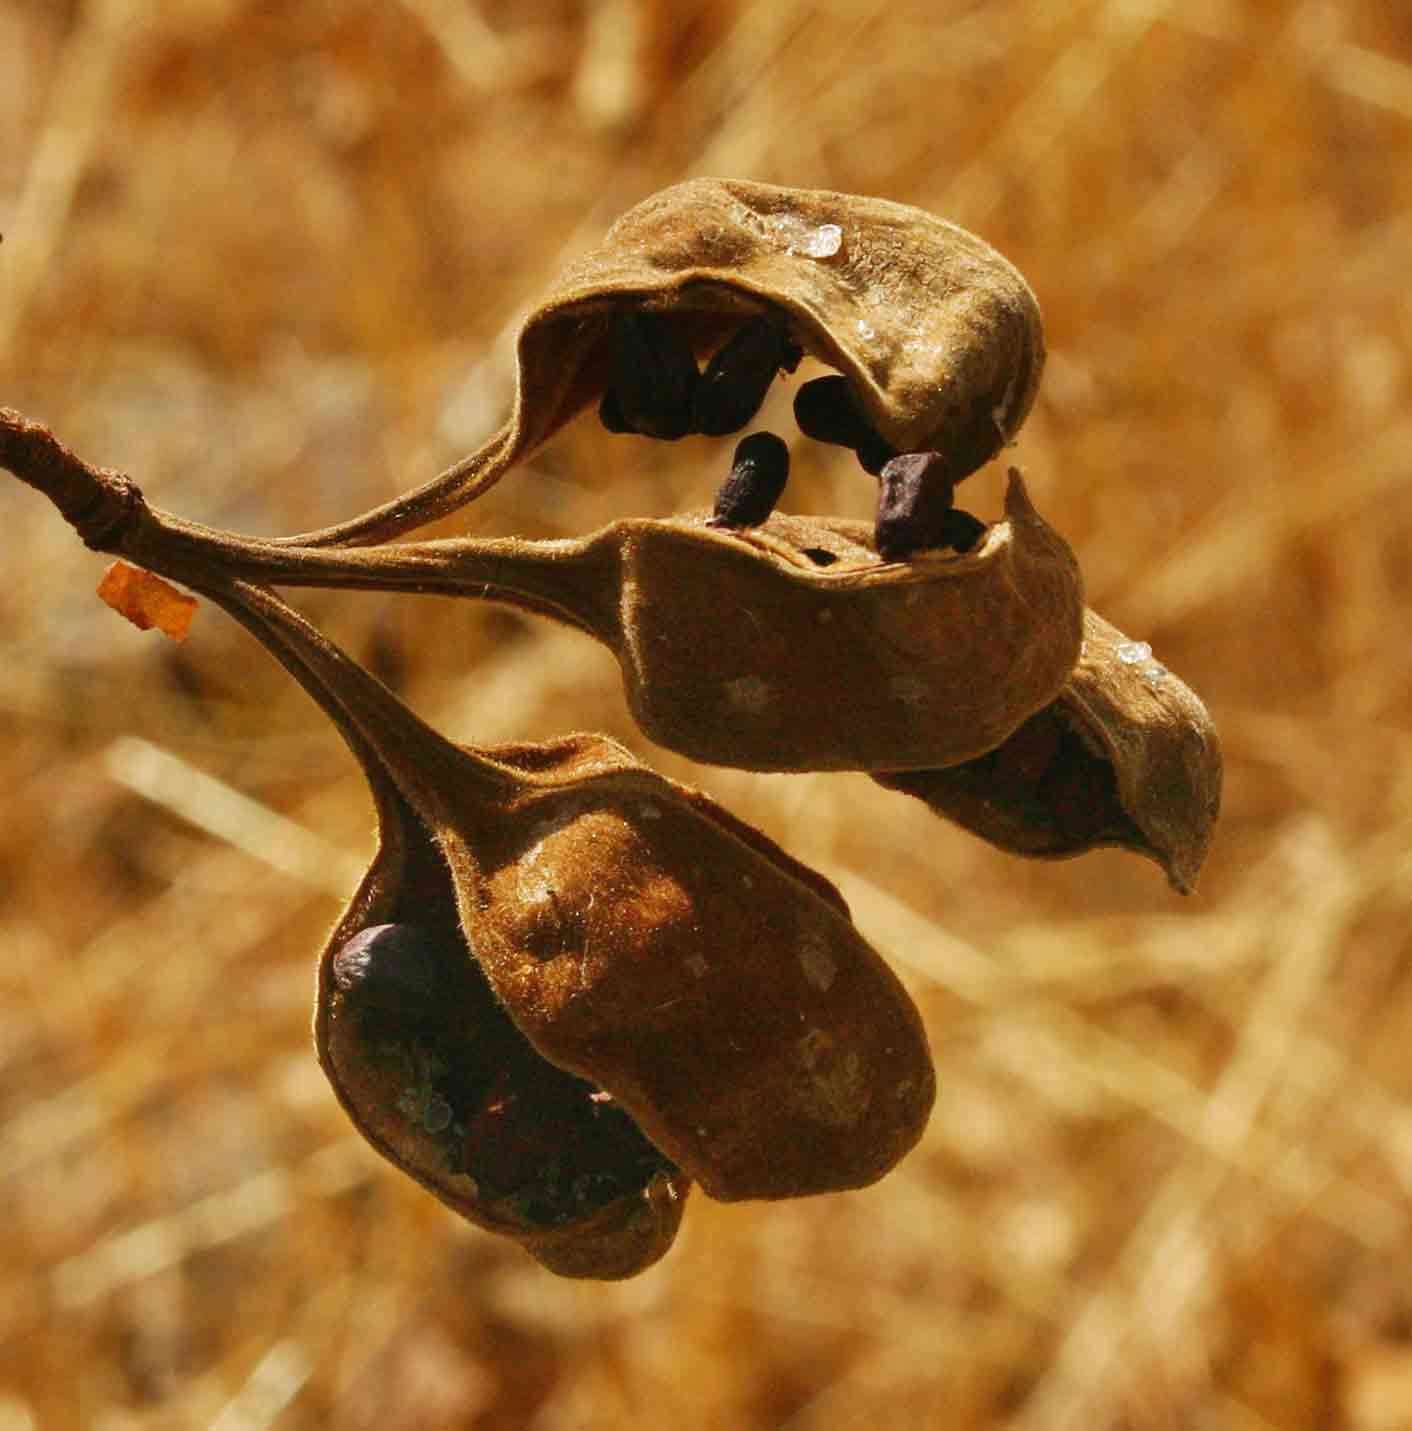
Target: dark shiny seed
391,963
874,454
826,410
738,377
758,474
914,496
654,378
961,530
610,413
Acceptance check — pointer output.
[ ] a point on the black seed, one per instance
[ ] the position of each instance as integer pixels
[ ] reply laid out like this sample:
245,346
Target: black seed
759,471
610,413
654,378
914,497
393,963
827,411
874,454
738,377
961,530
819,556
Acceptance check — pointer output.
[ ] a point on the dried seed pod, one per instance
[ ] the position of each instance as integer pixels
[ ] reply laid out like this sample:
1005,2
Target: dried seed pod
654,378
759,470
937,336
738,377
1126,756
585,927
740,647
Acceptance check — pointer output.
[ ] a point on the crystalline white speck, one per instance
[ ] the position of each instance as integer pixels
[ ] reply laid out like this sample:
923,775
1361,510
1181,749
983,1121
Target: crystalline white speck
866,330
822,242
1154,673
1133,653
799,237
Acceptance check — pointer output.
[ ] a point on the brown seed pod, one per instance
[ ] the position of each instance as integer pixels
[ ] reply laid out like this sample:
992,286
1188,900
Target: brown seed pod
938,336
583,927
786,646
1126,756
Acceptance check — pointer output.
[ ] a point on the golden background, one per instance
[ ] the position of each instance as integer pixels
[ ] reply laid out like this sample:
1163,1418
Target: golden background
268,259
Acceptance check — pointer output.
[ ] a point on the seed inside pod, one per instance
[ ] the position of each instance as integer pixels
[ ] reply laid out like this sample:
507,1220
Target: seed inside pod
914,496
759,471
1117,759
826,411
848,663
738,377
654,377
592,927
937,336
915,511
419,1045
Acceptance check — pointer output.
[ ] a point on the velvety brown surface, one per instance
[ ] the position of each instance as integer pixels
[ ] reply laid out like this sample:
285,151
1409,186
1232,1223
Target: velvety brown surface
1127,755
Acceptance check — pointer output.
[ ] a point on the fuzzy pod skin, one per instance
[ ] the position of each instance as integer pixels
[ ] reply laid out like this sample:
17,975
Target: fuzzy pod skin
584,926
1127,756
937,336
847,665
441,1082
625,930
644,939
789,645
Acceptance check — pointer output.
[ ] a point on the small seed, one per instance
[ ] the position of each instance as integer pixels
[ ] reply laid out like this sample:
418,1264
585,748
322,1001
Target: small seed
960,530
914,496
654,378
827,411
738,377
874,454
759,471
390,963
610,413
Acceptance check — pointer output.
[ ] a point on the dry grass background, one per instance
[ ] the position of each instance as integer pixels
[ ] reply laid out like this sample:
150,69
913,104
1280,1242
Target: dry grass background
266,258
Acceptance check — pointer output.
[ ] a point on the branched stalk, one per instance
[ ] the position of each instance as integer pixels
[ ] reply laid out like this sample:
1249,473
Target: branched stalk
110,514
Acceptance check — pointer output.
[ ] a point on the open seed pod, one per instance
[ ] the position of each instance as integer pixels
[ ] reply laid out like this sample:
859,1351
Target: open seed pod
787,646
567,987
938,336
1126,756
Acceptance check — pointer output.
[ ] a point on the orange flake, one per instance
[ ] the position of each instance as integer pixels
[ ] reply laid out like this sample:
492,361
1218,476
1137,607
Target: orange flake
147,600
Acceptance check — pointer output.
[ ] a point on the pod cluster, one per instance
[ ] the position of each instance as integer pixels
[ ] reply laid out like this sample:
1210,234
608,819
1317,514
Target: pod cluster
569,990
